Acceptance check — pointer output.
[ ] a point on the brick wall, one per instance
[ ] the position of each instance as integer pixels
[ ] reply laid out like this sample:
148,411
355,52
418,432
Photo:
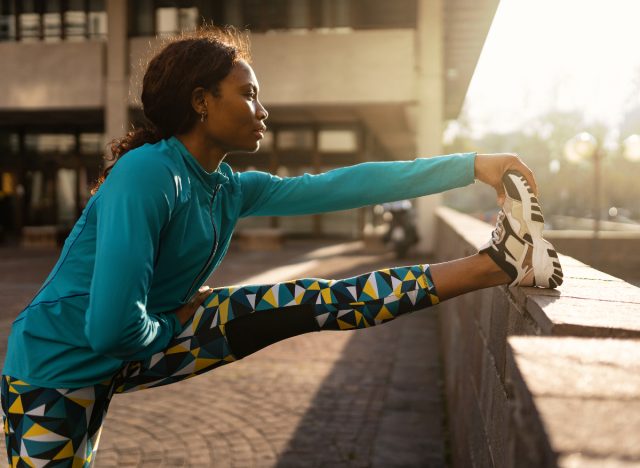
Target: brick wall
505,350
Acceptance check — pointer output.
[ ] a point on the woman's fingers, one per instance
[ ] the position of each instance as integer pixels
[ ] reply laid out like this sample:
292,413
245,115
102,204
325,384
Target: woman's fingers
185,312
527,173
490,168
201,296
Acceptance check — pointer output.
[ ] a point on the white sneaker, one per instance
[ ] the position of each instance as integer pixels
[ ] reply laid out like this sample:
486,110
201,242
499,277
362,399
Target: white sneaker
516,244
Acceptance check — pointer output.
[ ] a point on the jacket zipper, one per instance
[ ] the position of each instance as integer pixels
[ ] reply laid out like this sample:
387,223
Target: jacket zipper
213,251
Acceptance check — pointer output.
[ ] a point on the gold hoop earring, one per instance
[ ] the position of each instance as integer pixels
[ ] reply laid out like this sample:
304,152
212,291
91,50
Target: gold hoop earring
202,116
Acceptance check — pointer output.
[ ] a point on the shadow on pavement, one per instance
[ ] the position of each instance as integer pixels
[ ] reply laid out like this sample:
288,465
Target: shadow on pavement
381,403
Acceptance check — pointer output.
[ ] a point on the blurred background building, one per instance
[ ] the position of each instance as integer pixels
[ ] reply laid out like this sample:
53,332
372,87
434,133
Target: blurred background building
344,81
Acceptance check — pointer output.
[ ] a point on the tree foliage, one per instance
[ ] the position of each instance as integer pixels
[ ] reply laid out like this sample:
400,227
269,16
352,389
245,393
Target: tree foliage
565,188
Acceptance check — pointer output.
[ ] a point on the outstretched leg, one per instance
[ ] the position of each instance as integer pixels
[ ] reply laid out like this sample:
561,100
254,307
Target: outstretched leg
238,321
467,274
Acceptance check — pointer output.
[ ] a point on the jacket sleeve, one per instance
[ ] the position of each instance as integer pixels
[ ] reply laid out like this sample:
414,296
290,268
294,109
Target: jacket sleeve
136,201
354,186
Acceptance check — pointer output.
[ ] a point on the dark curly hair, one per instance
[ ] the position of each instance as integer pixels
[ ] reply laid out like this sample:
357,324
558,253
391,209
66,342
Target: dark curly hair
185,62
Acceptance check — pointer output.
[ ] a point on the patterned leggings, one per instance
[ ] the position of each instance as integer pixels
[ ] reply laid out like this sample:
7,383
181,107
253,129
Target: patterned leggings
61,427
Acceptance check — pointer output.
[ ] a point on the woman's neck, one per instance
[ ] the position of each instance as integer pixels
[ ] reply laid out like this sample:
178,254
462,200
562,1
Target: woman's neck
208,157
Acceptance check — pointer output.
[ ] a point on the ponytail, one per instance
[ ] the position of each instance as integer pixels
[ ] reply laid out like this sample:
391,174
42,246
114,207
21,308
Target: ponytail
120,146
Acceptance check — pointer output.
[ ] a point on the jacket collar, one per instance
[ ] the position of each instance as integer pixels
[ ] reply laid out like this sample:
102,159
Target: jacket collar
209,179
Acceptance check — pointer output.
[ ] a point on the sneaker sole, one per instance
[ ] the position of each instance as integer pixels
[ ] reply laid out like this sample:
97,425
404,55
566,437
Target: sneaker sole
544,254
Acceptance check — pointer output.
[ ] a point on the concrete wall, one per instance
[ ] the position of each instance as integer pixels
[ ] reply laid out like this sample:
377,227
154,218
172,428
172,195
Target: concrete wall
371,67
44,76
319,67
540,377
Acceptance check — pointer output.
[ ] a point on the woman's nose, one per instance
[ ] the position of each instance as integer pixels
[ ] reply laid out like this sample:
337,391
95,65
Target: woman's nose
261,112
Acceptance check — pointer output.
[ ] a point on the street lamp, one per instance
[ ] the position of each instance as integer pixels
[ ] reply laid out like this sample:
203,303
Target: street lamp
584,147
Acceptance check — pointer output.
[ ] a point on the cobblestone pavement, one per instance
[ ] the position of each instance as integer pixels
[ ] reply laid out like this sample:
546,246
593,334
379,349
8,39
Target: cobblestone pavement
353,399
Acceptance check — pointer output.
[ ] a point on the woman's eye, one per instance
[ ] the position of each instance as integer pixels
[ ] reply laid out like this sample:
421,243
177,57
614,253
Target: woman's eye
251,95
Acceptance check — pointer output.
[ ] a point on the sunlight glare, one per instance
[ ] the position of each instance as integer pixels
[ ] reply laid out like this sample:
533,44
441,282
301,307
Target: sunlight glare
556,55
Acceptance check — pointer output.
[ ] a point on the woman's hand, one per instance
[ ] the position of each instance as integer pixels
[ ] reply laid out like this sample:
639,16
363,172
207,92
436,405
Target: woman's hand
490,168
185,312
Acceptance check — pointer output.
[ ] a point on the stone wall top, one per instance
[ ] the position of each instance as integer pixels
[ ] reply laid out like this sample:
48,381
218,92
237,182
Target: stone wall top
589,303
587,393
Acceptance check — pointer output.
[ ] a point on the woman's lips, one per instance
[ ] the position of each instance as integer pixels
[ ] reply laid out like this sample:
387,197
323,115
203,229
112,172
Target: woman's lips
259,131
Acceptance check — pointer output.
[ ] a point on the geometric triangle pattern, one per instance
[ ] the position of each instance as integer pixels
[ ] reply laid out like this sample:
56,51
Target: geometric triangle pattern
200,347
52,427
373,298
358,302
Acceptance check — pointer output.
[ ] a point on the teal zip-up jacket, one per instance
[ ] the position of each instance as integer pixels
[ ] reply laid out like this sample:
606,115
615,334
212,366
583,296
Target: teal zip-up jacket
151,236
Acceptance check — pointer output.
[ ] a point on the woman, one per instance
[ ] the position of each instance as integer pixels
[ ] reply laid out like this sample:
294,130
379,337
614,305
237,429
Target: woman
121,311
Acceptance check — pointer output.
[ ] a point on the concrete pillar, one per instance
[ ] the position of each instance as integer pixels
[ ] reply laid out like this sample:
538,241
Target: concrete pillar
116,115
430,99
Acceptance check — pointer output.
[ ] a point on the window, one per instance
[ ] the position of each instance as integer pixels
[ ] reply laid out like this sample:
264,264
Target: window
29,21
379,14
52,20
92,143
173,17
337,141
166,21
233,12
175,20
9,143
97,21
295,139
141,18
332,14
50,142
7,20
166,17
299,14
75,21
260,15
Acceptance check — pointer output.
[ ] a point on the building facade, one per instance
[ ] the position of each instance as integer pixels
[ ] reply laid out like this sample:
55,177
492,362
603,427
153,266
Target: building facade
344,81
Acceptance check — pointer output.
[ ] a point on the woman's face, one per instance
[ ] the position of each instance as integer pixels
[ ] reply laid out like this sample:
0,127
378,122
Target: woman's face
235,117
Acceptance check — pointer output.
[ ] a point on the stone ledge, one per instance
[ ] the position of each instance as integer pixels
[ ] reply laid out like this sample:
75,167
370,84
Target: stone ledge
575,234
481,371
585,394
588,303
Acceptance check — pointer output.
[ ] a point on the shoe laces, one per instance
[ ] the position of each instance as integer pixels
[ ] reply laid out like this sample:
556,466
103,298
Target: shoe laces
497,233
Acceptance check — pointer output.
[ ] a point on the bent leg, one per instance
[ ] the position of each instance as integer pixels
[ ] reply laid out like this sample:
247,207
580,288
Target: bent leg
238,321
61,426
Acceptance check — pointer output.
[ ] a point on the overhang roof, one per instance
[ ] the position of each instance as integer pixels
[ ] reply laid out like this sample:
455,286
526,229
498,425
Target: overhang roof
466,27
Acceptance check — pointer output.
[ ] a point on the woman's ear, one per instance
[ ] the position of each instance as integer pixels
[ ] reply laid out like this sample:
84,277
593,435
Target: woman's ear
198,100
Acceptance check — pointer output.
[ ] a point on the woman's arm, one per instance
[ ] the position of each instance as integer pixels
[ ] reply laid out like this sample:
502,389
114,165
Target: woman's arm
136,201
355,186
